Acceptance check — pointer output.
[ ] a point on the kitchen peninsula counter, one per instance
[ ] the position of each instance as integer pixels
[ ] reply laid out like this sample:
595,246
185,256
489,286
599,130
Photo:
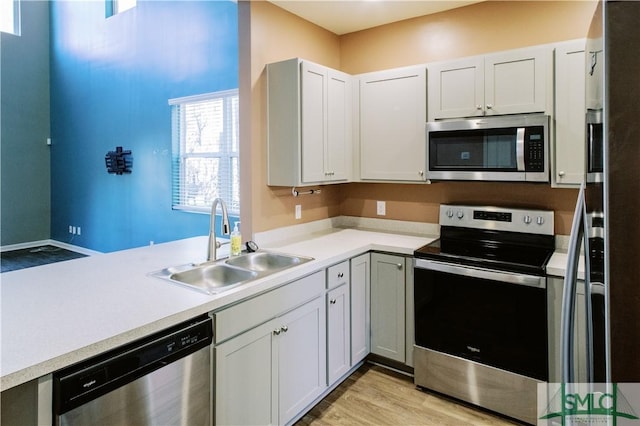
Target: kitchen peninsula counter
55,315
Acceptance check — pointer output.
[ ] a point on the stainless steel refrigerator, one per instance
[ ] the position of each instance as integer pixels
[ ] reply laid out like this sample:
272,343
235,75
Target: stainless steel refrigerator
607,219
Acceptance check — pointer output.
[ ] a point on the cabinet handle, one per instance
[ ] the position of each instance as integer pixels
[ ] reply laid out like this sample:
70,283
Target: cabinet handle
284,328
489,106
421,173
341,274
399,265
276,331
479,107
332,301
561,173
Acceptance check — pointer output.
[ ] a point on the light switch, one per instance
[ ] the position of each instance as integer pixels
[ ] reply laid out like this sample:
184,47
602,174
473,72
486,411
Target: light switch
381,208
298,211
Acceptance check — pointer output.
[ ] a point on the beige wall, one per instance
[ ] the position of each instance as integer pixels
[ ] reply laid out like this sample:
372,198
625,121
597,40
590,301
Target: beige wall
476,29
269,34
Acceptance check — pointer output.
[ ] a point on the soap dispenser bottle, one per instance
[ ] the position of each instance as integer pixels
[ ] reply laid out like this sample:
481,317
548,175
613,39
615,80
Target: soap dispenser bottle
236,241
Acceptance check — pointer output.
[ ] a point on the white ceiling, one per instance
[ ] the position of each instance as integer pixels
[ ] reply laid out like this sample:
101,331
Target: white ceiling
346,16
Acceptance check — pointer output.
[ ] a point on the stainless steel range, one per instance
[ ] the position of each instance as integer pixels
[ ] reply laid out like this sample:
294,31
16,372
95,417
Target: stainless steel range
481,307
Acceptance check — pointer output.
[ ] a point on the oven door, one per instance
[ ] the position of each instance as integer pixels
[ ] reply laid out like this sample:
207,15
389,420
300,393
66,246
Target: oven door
492,317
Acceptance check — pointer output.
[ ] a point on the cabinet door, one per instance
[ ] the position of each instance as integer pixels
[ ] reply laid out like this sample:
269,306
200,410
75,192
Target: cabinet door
314,121
456,88
388,306
301,366
392,125
338,336
243,378
554,313
569,159
338,144
516,81
360,297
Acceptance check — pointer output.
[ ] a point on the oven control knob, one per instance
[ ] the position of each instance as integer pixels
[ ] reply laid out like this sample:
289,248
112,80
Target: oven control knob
449,213
460,214
527,219
540,220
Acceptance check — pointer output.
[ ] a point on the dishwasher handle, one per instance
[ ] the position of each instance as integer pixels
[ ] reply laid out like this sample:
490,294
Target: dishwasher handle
487,274
90,379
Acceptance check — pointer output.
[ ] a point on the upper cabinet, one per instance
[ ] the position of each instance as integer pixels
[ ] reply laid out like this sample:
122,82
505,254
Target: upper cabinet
510,82
392,125
568,166
309,123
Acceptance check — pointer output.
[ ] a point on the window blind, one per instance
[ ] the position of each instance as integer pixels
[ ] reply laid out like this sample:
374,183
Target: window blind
206,163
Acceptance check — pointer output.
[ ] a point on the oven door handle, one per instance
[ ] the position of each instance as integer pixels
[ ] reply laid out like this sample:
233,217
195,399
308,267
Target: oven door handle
487,274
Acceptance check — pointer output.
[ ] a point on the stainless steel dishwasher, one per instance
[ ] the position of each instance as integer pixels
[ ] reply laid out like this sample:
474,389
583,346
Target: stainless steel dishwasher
163,379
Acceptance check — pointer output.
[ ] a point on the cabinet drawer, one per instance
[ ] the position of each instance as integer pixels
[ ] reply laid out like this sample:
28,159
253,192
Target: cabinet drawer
243,316
338,275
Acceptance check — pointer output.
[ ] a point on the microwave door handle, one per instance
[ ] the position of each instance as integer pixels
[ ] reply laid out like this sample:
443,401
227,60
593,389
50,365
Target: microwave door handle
520,148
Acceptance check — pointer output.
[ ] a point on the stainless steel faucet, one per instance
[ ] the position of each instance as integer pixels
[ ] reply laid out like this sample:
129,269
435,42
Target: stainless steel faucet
226,229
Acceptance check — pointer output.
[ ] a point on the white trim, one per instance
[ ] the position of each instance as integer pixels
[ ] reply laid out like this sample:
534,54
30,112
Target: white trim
203,97
54,243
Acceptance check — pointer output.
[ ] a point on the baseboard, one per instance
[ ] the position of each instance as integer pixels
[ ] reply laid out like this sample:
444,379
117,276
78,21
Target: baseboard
54,243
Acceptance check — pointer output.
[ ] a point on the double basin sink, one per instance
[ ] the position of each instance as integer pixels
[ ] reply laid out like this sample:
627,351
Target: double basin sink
220,275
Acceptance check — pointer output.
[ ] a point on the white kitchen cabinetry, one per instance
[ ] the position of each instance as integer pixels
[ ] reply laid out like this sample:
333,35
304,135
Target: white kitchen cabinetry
338,322
269,373
392,125
554,311
309,119
338,336
570,103
388,300
510,82
360,299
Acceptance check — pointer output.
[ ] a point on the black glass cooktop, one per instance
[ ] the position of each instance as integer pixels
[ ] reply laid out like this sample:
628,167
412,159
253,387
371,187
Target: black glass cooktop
505,251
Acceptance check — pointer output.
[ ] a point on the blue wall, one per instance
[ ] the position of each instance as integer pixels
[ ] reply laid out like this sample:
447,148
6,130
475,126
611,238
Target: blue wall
110,83
24,97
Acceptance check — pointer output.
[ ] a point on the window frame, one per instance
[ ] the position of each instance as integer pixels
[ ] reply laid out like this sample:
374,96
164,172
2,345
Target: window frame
113,7
16,21
227,153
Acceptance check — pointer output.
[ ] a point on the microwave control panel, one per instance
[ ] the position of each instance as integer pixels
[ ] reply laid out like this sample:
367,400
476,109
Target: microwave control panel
534,149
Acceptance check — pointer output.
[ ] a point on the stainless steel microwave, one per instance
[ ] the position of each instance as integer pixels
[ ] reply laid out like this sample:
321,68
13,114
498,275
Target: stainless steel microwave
507,148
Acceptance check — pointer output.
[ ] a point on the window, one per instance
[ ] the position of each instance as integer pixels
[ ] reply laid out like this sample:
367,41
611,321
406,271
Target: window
10,16
206,162
113,7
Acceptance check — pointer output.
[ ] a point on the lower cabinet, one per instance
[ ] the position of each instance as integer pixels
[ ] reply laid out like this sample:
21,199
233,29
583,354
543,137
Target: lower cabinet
360,302
338,333
554,313
388,301
277,353
301,358
270,373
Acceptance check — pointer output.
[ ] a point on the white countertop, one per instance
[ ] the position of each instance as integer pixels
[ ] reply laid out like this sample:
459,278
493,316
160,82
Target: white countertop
55,315
557,265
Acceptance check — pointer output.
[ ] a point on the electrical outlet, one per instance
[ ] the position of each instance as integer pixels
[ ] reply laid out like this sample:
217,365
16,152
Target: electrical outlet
298,211
381,208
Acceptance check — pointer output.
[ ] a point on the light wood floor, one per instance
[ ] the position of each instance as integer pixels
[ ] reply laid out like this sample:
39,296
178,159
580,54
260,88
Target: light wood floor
376,396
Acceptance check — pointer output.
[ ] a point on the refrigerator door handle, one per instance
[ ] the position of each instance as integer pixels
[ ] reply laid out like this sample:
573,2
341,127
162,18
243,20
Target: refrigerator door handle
588,310
569,291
